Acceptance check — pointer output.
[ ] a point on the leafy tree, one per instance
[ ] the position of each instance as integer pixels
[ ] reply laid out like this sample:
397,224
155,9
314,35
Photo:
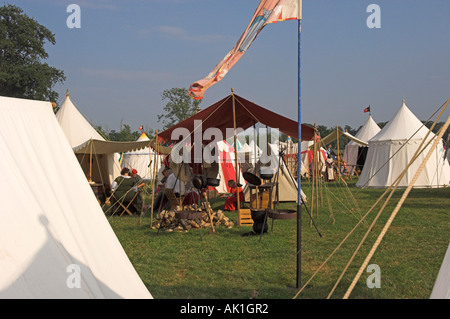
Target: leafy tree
178,108
23,73
123,135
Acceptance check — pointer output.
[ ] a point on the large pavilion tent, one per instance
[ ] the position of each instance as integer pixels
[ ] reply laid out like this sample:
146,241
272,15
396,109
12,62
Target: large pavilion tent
143,160
98,157
393,148
55,239
233,111
247,114
355,154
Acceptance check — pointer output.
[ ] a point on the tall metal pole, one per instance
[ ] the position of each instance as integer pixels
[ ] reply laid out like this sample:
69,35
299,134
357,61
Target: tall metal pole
299,190
236,159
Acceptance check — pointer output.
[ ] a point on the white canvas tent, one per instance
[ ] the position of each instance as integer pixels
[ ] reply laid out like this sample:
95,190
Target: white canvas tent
98,158
105,167
55,241
287,184
307,156
354,151
448,155
393,147
441,289
142,160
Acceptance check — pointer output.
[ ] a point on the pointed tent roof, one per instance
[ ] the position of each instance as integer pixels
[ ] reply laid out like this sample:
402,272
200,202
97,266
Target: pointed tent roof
220,115
369,129
143,137
402,126
81,134
75,126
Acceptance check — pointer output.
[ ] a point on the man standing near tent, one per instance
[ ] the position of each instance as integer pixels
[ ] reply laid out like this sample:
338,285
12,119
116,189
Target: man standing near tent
330,168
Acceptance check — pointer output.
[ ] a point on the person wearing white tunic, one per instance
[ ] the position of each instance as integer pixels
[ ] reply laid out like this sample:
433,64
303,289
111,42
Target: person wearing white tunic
330,168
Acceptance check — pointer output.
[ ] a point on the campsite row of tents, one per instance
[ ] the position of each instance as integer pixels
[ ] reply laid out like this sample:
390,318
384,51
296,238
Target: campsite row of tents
383,154
61,245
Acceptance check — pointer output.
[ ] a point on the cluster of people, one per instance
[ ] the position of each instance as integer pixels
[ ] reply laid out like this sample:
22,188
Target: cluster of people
179,188
189,192
331,168
126,188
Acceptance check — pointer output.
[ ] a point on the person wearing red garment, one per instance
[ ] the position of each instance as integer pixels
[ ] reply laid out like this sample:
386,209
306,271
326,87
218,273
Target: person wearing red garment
231,201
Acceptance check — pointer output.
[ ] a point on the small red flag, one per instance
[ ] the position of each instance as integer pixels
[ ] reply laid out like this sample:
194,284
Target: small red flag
367,109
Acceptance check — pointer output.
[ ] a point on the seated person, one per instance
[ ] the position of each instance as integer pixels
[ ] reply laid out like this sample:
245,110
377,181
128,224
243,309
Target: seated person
124,189
231,201
192,194
139,183
172,183
161,199
175,184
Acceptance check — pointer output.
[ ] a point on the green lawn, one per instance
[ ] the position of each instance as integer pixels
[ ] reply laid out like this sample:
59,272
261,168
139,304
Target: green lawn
227,264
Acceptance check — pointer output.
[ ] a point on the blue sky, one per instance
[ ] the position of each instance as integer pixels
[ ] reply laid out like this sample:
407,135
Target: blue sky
126,53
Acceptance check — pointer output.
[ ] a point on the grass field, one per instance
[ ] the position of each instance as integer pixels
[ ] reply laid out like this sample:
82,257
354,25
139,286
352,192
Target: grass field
228,265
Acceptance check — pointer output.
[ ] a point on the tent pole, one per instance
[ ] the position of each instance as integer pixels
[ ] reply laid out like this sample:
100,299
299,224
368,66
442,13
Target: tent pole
236,159
299,198
154,177
338,154
90,161
254,147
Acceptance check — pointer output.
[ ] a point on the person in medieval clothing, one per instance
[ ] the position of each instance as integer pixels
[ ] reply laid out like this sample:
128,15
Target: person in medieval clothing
139,183
124,189
329,163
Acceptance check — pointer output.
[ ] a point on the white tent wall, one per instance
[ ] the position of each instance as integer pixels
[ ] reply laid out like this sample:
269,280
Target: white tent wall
142,160
402,136
55,241
435,174
441,289
351,156
368,130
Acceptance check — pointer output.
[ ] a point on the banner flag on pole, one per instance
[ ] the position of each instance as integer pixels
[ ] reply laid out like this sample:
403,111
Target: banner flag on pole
268,11
367,109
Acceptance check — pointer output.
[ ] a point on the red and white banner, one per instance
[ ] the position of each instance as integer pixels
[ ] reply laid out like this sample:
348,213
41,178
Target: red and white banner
268,11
